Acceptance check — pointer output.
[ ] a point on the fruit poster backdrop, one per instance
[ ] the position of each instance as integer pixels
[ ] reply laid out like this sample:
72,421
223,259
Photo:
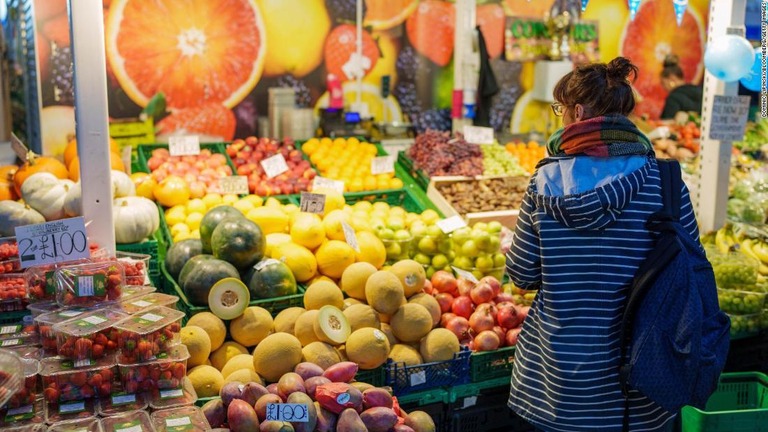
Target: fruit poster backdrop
205,66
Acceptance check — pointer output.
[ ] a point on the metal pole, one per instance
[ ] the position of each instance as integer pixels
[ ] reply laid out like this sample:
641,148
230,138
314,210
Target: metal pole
86,19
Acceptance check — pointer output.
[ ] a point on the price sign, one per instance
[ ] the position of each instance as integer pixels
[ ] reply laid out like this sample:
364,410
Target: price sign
274,166
322,182
312,203
289,412
349,234
382,165
237,185
184,145
729,118
52,242
478,135
451,224
465,274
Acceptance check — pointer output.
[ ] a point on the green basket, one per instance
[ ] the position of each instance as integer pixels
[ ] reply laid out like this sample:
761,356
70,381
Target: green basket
406,197
155,248
740,404
273,305
421,178
475,388
436,395
374,377
487,365
144,152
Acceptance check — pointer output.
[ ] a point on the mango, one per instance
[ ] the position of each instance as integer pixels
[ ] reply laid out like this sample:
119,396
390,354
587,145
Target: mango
379,419
290,383
326,420
309,425
215,412
350,421
341,372
377,397
241,416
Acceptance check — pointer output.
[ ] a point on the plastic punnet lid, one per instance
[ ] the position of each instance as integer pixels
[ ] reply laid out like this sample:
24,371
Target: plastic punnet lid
91,424
138,304
61,315
53,366
42,307
179,419
176,353
31,367
89,323
173,398
35,427
120,403
19,340
131,291
149,320
136,421
10,374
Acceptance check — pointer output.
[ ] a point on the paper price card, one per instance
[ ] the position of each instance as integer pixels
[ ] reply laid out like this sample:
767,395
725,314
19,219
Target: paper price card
290,412
322,182
418,378
237,185
350,236
274,166
52,242
478,135
465,274
451,224
185,145
312,203
382,165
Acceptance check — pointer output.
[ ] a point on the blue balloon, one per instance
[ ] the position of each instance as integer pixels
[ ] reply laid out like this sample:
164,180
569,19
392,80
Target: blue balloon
729,58
753,80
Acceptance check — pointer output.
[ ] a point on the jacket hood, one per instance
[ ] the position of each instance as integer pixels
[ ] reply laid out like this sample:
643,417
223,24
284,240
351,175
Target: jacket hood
589,193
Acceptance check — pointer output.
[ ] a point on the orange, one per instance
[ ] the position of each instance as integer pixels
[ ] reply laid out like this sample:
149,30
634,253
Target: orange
115,160
173,190
385,14
192,51
649,38
145,185
528,8
70,152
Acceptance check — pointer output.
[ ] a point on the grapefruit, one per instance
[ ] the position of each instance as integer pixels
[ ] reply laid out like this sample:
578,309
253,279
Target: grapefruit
649,38
611,17
385,14
192,52
527,8
531,115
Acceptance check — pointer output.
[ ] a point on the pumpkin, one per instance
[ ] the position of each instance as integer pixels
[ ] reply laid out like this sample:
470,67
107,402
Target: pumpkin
14,214
7,191
122,185
35,164
70,152
116,163
46,193
135,219
145,184
73,202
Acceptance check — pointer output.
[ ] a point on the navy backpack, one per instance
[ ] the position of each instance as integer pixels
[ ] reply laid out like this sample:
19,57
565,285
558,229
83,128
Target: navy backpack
674,336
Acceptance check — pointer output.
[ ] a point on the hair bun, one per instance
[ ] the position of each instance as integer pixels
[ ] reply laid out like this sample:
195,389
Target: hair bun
620,69
671,60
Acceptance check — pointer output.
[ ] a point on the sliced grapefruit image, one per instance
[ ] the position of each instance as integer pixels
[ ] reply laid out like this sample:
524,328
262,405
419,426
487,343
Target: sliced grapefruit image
650,37
532,115
381,109
193,51
212,119
385,14
527,8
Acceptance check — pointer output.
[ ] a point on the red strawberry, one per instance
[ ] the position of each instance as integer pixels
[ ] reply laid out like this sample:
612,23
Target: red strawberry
341,44
430,30
491,19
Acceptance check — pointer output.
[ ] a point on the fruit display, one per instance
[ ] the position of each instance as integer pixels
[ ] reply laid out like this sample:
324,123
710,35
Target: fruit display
136,267
88,336
180,178
528,154
13,291
135,420
179,419
63,381
46,321
741,302
484,195
30,387
89,284
143,336
755,136
498,162
680,140
136,304
165,372
438,154
350,161
247,156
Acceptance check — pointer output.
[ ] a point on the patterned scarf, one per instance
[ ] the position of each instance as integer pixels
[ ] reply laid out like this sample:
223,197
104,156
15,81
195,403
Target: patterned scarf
611,135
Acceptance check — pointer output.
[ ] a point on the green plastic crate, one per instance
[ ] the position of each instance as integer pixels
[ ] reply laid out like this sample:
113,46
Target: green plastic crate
374,377
458,392
144,152
740,404
273,305
436,395
155,248
407,197
487,365
406,379
421,178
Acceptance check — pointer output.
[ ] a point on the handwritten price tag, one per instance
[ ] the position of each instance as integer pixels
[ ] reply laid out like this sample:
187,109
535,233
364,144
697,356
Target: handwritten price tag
382,165
185,145
451,224
312,203
52,242
237,185
465,274
418,378
349,234
289,412
274,166
478,135
322,182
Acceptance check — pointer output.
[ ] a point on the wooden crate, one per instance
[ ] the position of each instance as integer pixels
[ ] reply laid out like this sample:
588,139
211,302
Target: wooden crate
507,217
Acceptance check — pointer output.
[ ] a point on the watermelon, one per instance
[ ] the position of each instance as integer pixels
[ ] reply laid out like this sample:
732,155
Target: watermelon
180,253
212,219
200,274
238,241
270,278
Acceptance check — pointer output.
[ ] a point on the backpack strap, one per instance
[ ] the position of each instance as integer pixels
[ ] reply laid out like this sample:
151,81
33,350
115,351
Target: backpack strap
671,185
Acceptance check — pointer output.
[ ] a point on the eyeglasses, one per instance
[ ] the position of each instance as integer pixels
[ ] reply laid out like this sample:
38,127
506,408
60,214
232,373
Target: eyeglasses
558,109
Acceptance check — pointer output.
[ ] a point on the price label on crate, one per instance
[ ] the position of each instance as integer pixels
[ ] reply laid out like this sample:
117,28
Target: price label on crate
382,165
274,165
465,274
289,412
418,378
184,145
470,401
312,203
322,182
123,399
478,135
237,185
350,236
52,242
72,407
451,224
178,421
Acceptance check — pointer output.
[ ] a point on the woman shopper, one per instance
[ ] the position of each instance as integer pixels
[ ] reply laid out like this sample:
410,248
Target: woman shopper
579,240
682,95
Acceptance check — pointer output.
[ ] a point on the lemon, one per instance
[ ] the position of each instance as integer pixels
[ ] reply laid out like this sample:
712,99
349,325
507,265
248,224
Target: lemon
182,236
256,200
385,65
429,217
211,200
193,221
243,205
175,217
273,202
196,205
179,228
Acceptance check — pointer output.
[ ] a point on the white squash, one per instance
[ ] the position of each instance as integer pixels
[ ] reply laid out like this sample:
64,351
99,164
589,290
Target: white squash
45,193
73,202
14,214
135,219
122,185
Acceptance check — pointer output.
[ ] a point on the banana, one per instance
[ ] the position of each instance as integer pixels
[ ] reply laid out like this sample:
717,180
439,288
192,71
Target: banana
762,270
746,248
759,248
721,241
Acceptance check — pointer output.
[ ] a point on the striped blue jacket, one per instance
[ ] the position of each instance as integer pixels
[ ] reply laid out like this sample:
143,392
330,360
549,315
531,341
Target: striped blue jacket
579,238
